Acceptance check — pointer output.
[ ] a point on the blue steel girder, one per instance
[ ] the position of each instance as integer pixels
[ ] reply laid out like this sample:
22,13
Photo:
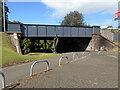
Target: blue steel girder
32,30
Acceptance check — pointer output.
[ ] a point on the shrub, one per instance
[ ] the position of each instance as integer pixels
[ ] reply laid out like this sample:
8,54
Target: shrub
26,43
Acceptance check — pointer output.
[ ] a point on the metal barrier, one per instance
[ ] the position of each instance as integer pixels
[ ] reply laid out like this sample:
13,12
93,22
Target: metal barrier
103,51
62,58
87,53
111,55
3,79
107,53
83,54
75,54
31,69
99,52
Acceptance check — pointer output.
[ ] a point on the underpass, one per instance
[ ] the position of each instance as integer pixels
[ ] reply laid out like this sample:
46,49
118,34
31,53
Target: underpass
64,38
90,70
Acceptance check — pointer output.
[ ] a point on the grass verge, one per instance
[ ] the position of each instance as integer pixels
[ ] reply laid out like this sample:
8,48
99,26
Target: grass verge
10,56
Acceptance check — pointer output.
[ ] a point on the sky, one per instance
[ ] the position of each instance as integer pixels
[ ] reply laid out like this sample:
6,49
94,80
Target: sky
52,12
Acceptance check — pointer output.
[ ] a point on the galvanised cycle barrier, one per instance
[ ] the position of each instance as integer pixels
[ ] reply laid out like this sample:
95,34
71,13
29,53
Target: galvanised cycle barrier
3,79
99,52
111,55
103,51
31,69
62,58
108,54
75,54
83,54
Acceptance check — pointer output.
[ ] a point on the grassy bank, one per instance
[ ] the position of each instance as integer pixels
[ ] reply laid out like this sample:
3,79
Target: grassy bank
117,43
10,56
116,49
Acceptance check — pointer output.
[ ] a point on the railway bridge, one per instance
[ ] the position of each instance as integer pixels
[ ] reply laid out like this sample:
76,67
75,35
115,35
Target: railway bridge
65,38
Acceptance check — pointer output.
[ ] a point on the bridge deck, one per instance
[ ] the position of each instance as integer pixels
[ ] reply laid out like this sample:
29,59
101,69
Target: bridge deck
32,30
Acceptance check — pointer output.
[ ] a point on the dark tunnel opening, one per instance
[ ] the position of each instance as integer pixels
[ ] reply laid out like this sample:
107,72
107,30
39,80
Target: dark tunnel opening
63,45
73,44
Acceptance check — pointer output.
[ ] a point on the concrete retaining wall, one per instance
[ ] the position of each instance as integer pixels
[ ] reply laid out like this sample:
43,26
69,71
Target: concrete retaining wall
99,42
109,35
15,42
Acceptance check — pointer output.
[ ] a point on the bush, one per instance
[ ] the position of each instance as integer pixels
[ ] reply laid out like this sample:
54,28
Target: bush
26,43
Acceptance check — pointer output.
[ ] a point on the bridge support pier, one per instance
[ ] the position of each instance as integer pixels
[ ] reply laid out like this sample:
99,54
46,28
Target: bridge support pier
54,46
45,44
33,44
54,42
38,45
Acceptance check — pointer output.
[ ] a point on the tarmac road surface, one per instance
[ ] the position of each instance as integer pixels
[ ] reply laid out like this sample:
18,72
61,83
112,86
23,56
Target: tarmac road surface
94,71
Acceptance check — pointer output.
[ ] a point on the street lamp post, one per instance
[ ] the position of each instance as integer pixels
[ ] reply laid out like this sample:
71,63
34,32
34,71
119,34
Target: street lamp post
4,15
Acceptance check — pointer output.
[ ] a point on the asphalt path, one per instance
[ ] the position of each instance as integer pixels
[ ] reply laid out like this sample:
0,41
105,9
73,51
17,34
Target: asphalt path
93,71
17,72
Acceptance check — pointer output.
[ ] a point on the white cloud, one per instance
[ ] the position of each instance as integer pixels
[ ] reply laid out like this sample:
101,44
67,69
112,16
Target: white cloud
106,23
62,7
104,27
95,24
24,0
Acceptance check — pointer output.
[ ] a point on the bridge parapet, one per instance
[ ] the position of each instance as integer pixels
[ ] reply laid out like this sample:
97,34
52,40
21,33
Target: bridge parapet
32,30
96,29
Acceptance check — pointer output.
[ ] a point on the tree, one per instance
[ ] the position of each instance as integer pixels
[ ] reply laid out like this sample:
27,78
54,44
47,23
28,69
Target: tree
15,22
110,27
6,14
73,19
